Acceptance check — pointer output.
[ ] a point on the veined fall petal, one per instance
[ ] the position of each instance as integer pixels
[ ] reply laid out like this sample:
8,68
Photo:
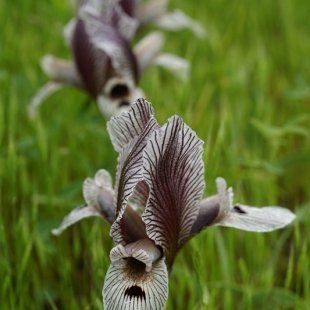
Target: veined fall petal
137,278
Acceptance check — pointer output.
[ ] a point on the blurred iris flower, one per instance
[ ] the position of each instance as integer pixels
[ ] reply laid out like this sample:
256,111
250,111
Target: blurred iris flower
160,175
104,63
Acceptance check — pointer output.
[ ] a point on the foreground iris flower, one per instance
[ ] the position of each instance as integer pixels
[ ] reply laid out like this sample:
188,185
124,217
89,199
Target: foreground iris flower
160,172
105,65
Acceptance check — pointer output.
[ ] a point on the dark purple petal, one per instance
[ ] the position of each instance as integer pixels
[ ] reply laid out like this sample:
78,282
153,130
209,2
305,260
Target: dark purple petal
100,49
124,128
129,6
173,168
93,64
107,38
129,173
209,209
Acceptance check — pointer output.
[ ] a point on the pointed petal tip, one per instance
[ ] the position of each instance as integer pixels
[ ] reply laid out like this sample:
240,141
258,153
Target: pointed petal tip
56,231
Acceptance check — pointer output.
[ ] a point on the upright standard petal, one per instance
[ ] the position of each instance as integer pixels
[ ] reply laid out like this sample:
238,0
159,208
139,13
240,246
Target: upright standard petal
173,169
140,195
136,279
129,174
246,217
104,36
124,128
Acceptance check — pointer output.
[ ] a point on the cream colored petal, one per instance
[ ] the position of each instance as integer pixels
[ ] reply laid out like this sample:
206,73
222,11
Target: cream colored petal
177,20
249,218
103,178
75,216
176,65
147,49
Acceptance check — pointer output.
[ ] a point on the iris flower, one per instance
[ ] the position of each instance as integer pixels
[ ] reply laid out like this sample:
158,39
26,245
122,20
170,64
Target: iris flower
160,175
104,63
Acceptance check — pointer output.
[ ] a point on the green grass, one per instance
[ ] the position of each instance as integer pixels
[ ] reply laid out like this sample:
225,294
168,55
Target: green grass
248,98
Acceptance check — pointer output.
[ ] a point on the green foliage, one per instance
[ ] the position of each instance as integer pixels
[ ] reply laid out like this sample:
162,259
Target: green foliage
248,98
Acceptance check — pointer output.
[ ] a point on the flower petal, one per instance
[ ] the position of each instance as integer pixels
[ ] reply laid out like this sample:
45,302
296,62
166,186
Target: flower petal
140,195
45,91
176,65
148,12
103,178
209,209
74,216
258,219
131,287
124,128
173,168
129,173
92,63
61,70
147,49
143,250
177,20
105,37
98,193
249,218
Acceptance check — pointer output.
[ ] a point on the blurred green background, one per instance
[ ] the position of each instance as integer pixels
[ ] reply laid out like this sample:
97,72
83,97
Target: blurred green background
248,98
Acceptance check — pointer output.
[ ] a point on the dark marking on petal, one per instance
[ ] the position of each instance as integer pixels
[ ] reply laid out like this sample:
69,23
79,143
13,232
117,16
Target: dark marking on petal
237,209
123,104
119,90
135,292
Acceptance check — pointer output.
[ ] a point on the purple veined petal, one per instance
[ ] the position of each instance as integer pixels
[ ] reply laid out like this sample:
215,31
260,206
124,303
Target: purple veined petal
140,195
249,218
93,64
74,216
118,95
106,38
136,279
143,250
147,49
173,168
176,65
177,20
126,25
124,128
129,173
